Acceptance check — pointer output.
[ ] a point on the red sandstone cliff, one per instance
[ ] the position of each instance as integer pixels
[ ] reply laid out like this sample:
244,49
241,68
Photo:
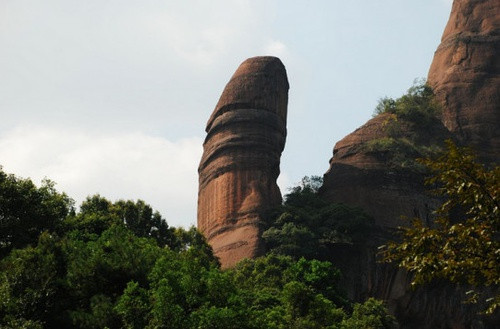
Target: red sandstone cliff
240,163
465,75
366,178
246,135
362,176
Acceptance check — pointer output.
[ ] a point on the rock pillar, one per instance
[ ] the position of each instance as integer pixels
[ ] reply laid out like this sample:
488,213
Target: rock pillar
240,163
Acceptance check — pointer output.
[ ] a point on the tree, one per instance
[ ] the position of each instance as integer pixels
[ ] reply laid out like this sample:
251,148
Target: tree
143,221
118,265
279,292
97,214
411,127
372,314
307,226
30,289
118,280
27,210
417,105
463,245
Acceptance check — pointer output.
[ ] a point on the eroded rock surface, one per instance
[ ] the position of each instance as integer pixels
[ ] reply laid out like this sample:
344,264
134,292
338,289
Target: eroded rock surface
393,192
465,78
363,176
240,163
465,75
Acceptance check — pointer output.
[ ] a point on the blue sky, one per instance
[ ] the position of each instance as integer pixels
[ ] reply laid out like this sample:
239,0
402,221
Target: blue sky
112,97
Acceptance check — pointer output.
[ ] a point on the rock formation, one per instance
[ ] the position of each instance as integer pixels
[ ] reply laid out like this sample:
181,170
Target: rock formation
393,193
465,78
365,177
246,135
240,163
370,177
465,75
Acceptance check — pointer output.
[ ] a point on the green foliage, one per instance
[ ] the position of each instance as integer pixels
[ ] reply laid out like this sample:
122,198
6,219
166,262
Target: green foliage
27,210
193,242
464,250
97,214
93,219
418,110
120,280
23,324
307,226
133,306
282,293
372,314
417,105
402,152
308,186
107,264
111,281
274,271
118,265
140,218
218,318
93,271
30,287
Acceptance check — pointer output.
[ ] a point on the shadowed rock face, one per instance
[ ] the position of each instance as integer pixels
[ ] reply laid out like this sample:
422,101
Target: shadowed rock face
465,75
240,163
366,179
359,176
465,78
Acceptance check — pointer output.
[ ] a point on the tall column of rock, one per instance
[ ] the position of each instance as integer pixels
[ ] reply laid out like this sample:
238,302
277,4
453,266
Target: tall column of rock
465,75
240,163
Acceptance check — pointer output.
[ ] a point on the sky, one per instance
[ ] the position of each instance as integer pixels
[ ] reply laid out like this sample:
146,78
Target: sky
112,97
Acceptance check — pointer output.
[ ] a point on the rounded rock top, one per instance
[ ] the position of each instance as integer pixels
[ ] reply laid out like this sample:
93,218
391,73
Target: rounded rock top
259,83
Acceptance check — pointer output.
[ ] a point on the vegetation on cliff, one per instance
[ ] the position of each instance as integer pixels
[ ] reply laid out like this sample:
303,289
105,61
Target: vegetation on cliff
417,105
307,225
463,245
119,265
410,120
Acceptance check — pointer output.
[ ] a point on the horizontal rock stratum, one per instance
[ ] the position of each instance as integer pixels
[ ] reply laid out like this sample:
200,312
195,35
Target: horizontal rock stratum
240,164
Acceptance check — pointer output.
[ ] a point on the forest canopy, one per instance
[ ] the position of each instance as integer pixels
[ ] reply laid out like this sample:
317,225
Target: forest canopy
119,265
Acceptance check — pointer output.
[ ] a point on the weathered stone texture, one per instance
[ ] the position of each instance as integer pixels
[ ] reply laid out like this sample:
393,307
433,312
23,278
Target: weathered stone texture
240,163
363,178
392,194
465,75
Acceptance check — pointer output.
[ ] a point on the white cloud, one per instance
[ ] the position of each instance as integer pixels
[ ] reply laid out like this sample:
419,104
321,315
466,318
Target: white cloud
196,42
158,68
117,166
123,64
120,166
276,48
200,33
